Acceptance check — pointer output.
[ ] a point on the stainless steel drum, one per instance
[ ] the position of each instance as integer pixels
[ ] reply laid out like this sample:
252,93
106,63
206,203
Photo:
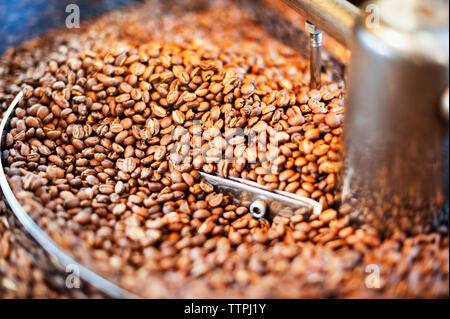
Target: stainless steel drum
396,134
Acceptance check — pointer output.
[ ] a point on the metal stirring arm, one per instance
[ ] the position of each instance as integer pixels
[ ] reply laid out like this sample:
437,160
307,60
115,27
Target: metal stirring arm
263,203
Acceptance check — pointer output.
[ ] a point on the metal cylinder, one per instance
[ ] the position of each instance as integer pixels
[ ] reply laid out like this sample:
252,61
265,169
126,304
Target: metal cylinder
315,63
315,43
395,137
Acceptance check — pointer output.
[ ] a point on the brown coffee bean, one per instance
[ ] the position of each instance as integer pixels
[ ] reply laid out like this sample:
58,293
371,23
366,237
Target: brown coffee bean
178,117
285,175
247,89
92,180
206,187
82,217
106,189
116,128
160,152
328,215
333,120
214,200
129,164
159,111
240,223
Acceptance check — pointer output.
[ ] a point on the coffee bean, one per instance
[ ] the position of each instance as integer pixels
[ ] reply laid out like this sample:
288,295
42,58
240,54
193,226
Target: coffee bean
159,111
214,200
129,164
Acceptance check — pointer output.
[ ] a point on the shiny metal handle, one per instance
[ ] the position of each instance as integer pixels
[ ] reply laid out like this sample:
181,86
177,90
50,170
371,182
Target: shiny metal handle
335,17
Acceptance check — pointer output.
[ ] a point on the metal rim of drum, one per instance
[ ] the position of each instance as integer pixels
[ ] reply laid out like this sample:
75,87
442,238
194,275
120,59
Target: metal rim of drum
38,234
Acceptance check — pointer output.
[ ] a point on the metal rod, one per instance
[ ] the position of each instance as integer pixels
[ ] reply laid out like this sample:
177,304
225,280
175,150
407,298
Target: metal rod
315,63
335,17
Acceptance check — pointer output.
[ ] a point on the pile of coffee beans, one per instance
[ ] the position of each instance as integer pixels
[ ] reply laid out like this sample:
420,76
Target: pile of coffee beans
118,119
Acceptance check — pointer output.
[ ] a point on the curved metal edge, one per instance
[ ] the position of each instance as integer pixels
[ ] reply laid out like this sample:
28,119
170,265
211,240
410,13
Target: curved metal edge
445,105
41,237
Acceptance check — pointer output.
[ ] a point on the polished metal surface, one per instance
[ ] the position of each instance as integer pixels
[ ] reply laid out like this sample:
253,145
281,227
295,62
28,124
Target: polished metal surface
396,139
315,63
445,105
335,17
247,192
258,208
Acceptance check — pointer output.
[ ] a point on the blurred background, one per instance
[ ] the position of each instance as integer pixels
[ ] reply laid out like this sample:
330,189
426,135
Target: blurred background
25,19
